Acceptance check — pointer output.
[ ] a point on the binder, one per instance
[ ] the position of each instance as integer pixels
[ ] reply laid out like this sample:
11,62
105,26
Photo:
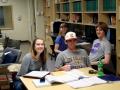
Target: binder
110,78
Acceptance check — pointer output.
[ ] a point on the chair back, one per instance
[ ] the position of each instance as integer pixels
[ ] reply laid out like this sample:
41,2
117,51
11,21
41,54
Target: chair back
11,55
54,54
11,43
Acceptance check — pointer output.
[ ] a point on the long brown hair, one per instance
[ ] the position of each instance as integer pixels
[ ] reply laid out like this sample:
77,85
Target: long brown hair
62,25
42,56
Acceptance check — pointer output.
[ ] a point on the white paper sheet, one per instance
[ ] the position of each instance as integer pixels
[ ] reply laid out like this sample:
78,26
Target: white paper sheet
37,83
85,82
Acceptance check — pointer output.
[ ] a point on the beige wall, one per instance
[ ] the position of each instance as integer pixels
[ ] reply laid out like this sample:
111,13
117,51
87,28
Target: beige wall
24,29
40,32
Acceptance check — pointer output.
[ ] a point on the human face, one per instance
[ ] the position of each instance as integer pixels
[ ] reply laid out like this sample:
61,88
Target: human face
72,44
63,30
39,46
100,33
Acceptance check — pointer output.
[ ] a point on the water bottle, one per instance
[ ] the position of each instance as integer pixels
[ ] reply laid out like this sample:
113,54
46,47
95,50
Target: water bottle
100,68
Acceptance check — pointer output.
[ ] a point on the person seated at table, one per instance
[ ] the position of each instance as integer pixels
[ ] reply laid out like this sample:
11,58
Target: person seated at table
60,44
101,47
33,61
71,57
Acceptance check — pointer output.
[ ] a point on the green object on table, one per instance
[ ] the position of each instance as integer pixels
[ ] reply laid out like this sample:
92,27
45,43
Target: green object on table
100,68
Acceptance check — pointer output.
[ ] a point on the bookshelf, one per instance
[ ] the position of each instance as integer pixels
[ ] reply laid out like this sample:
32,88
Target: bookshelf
86,11
86,14
48,14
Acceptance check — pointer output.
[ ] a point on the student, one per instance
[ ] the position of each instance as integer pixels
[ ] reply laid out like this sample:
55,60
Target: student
35,60
71,57
60,44
101,47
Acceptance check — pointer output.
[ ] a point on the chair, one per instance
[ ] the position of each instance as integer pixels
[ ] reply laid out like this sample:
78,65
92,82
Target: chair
53,54
10,56
11,43
4,79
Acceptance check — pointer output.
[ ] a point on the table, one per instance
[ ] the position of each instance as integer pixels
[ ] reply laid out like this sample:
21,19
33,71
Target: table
30,86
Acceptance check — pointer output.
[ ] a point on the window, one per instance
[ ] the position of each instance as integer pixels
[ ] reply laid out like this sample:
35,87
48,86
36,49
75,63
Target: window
6,17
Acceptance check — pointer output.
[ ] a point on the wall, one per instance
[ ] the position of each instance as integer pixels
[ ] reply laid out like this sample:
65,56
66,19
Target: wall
40,32
25,26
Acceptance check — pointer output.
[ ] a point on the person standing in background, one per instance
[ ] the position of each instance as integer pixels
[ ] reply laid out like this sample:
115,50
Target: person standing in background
101,47
60,44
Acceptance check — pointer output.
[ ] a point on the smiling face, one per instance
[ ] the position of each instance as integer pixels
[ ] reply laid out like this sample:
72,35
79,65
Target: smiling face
39,46
71,44
100,33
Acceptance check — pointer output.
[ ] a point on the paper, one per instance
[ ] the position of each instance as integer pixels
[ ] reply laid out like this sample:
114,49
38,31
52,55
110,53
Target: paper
85,82
37,83
60,79
36,74
76,73
69,76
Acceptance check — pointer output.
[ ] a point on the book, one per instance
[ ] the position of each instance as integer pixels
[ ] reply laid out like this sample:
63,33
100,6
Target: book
37,83
110,78
36,74
85,82
69,76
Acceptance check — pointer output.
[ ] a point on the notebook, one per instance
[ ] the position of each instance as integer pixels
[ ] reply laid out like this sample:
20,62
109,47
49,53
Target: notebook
36,74
110,77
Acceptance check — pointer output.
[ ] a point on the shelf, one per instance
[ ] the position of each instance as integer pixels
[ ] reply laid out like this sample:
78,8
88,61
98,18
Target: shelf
107,12
87,13
118,57
119,38
109,18
112,26
90,18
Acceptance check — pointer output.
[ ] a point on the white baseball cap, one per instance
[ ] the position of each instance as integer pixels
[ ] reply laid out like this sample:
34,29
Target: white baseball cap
70,35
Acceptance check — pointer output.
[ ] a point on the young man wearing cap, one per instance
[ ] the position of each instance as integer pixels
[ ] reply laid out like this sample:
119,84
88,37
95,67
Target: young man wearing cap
72,57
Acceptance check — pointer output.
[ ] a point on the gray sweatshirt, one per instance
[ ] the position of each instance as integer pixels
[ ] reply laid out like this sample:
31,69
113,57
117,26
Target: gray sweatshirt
28,64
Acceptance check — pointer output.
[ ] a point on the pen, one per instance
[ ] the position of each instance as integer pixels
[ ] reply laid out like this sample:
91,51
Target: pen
81,77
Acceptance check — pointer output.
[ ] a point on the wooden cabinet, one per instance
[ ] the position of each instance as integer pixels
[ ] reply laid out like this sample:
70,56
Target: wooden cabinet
118,36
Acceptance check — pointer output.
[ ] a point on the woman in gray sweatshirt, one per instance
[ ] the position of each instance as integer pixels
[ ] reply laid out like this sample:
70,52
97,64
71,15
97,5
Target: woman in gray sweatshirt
32,61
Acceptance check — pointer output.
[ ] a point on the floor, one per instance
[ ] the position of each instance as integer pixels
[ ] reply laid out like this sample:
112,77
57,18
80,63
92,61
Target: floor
25,48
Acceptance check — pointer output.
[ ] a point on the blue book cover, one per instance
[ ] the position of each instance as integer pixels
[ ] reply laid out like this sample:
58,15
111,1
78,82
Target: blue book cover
110,77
